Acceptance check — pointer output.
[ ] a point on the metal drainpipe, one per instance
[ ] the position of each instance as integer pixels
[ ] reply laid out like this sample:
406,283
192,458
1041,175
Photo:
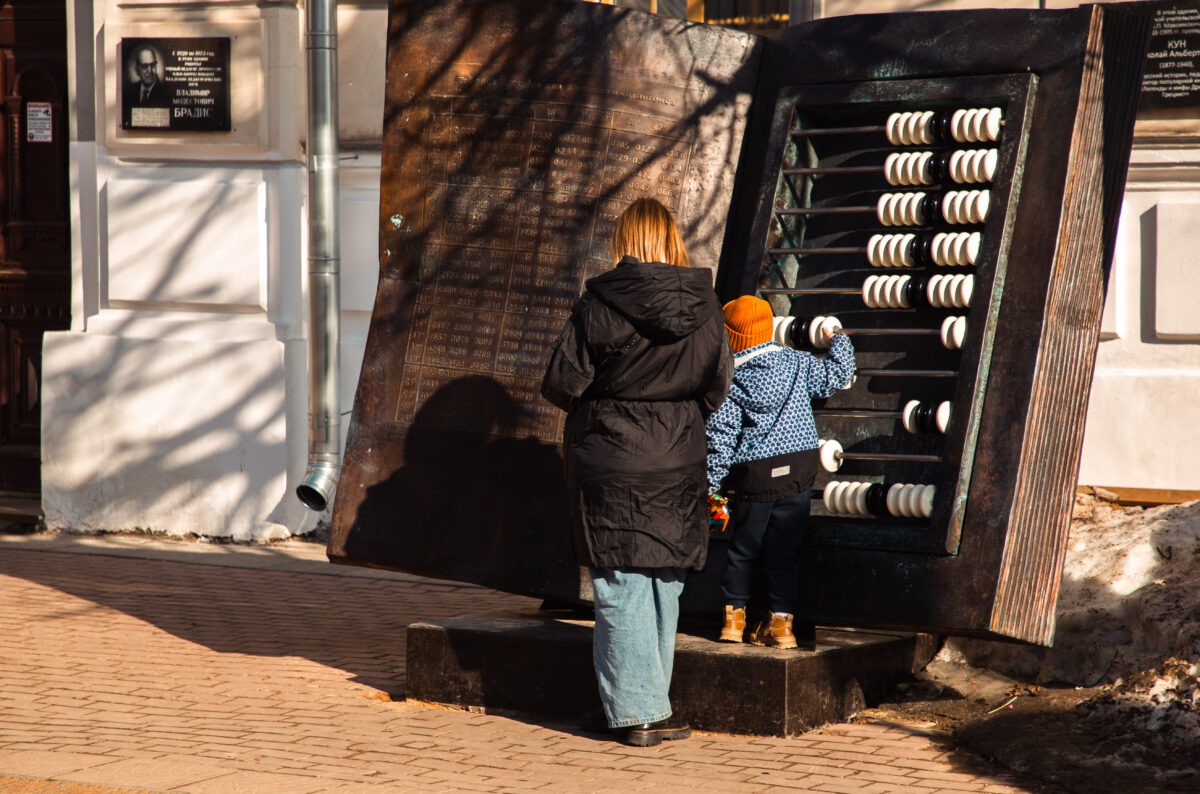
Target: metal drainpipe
324,300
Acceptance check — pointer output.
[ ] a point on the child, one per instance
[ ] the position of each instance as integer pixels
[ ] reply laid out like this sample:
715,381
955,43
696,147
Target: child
762,454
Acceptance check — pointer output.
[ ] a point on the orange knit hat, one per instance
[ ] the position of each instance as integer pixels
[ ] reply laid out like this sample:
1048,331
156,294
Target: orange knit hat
749,321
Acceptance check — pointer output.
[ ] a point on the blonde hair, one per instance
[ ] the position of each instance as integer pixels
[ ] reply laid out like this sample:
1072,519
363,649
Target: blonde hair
647,232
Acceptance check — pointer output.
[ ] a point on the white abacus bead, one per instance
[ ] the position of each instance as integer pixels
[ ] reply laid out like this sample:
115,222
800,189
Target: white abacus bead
958,166
963,253
916,170
868,290
926,123
893,500
901,209
933,290
891,168
966,206
958,334
913,127
973,165
890,250
978,205
908,418
908,168
991,128
958,124
946,291
954,330
942,248
875,248
830,496
813,325
876,299
976,125
882,290
833,325
846,497
963,290
942,416
955,248
883,210
970,248
781,330
830,453
893,129
912,501
818,324
886,292
899,250
860,498
925,501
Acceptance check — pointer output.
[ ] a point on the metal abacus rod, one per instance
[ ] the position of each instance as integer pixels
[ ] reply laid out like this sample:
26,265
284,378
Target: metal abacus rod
822,250
811,291
908,373
832,456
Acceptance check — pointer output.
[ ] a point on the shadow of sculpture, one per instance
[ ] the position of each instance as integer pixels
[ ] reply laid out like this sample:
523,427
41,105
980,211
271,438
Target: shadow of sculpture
469,501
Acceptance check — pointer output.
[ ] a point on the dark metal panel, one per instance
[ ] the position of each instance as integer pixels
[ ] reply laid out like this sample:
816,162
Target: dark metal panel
1001,577
515,133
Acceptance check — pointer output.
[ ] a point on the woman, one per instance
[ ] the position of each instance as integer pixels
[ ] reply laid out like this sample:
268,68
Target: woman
642,362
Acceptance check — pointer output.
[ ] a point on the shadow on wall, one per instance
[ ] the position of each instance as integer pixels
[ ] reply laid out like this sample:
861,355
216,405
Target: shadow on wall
162,425
469,501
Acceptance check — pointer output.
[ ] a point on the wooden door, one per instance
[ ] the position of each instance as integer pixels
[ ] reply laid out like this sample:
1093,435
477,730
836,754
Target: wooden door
35,252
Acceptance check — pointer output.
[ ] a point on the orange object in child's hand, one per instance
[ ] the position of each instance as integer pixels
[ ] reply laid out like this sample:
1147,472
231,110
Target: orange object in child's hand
718,514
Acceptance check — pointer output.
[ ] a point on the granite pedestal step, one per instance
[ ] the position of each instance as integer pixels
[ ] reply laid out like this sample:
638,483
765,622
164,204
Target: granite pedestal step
541,662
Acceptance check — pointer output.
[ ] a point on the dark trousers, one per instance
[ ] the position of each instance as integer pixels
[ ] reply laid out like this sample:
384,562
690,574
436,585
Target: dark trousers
766,539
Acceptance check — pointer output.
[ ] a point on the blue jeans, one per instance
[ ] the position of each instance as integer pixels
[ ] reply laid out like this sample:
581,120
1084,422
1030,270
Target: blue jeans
766,538
633,648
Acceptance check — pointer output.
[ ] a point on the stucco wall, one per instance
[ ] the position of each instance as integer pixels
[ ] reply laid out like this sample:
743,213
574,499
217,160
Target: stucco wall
177,402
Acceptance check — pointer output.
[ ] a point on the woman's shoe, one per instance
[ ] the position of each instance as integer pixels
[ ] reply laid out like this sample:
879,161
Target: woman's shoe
653,733
735,624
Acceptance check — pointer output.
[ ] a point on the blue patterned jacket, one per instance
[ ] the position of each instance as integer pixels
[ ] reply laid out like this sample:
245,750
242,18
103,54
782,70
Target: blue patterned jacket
768,411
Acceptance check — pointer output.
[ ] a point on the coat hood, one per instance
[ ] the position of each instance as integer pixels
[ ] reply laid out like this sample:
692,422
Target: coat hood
662,302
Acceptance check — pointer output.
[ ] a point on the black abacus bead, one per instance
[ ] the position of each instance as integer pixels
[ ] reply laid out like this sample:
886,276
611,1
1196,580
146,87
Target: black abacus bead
877,499
939,167
799,331
941,125
921,249
925,417
914,292
931,207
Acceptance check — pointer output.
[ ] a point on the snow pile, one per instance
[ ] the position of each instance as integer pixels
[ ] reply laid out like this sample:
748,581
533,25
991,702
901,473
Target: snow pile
1129,602
1151,714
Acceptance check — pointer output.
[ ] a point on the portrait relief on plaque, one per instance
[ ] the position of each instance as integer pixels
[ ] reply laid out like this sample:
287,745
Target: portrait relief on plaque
175,84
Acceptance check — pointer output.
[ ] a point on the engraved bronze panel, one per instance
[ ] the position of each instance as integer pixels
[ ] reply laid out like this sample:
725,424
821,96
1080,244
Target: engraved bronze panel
515,133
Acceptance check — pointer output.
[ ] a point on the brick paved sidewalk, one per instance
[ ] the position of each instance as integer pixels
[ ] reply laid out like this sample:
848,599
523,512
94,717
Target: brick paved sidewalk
121,672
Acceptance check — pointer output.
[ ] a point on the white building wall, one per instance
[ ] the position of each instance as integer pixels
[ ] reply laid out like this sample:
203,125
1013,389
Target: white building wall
177,402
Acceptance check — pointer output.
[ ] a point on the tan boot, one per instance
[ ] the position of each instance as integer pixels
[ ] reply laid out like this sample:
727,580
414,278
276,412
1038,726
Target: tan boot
735,624
774,631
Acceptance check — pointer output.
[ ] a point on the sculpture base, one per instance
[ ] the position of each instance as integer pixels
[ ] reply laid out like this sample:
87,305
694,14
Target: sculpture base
541,662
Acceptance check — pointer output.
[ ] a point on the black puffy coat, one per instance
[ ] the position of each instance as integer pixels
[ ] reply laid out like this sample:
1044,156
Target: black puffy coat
641,363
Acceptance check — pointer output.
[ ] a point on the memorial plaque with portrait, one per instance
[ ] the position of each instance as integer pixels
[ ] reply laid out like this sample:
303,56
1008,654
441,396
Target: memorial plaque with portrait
177,84
1171,79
